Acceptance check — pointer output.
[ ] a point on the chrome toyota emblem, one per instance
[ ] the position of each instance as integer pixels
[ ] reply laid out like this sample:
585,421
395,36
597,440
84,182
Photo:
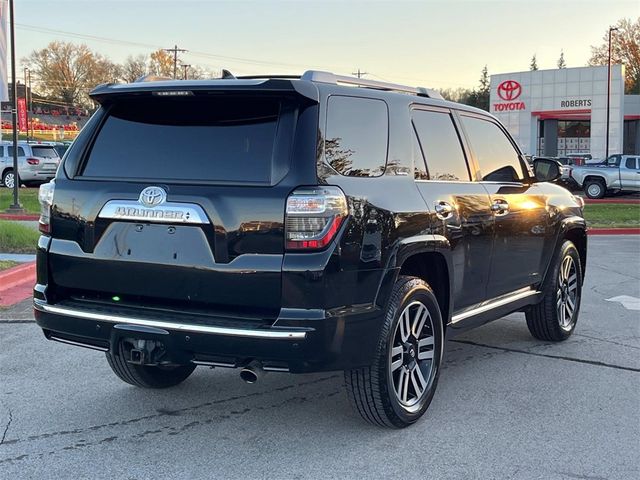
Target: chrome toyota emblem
152,196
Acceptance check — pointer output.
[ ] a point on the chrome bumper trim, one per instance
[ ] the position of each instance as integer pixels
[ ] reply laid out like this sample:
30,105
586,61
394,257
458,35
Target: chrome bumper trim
180,327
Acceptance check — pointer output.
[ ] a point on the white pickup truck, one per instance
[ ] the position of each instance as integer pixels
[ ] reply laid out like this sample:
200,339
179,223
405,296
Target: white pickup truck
620,173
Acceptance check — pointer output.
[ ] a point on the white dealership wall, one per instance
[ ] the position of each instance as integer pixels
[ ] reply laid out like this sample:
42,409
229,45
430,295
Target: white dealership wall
555,94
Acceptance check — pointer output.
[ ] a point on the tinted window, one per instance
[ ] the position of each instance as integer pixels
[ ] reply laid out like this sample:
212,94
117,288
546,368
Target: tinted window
614,160
356,136
631,163
419,167
211,139
44,151
441,146
497,157
20,151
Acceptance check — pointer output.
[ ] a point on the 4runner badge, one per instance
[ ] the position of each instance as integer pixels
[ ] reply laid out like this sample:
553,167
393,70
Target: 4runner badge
152,196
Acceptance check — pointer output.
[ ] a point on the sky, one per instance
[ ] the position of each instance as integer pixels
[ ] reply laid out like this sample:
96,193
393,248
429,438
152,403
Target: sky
437,44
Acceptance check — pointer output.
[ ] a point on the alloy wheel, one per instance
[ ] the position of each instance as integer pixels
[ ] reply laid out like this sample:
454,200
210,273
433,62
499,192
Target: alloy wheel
411,362
567,294
594,189
9,180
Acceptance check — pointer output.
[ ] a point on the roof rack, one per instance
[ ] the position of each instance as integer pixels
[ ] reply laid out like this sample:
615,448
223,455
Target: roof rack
328,77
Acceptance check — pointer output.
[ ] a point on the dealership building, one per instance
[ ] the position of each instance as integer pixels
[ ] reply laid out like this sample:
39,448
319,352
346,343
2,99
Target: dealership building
562,111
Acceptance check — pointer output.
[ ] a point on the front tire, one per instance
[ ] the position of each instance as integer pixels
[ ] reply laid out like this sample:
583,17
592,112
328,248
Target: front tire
396,390
595,189
554,318
145,376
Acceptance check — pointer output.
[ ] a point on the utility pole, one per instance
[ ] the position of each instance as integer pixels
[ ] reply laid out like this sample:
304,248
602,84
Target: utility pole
185,68
175,50
359,74
606,149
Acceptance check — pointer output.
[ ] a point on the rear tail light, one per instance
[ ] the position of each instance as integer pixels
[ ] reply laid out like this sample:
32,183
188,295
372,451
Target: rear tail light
314,216
33,161
45,196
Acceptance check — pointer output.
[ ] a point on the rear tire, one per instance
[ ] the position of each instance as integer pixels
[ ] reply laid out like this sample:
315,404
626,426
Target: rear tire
147,376
595,189
396,390
554,318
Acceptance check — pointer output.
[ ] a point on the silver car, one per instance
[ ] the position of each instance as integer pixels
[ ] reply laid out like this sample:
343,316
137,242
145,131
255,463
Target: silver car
37,163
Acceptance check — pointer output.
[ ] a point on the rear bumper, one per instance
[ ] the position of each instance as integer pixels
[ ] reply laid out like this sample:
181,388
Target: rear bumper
311,342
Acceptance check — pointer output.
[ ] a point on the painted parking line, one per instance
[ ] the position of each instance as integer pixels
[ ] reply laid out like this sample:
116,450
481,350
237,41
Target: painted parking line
627,301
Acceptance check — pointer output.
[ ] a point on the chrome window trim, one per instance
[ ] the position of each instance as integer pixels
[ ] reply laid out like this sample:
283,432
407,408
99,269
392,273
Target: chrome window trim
272,334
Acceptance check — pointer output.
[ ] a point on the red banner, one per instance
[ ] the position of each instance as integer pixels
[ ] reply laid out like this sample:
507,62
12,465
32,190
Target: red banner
22,114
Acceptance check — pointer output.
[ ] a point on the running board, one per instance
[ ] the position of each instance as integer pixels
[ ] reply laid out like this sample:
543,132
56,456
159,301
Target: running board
496,303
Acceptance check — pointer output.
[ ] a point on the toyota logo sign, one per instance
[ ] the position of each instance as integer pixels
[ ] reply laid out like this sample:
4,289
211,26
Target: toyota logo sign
509,90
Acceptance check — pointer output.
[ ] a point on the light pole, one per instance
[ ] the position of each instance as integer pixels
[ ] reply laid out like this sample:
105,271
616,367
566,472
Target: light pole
26,97
606,149
15,207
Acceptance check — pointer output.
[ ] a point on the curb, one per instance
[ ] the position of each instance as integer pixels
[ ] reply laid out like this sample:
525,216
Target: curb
19,218
614,231
17,284
629,201
16,275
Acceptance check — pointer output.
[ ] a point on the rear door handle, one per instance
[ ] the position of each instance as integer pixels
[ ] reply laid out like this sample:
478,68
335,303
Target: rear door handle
444,210
500,207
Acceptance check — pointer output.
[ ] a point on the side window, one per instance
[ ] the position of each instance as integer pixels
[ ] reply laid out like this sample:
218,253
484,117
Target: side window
20,151
441,146
631,163
419,167
357,136
497,158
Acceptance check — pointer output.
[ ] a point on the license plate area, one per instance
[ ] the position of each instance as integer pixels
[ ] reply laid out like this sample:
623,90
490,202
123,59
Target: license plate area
155,243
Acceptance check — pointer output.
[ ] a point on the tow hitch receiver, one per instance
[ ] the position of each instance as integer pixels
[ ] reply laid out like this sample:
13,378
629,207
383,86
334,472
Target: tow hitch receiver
143,352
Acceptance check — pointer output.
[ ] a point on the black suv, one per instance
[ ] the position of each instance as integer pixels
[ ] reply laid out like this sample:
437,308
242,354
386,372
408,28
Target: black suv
300,225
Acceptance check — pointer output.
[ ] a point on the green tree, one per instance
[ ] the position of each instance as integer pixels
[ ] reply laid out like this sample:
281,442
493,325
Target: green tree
561,62
625,48
534,63
67,72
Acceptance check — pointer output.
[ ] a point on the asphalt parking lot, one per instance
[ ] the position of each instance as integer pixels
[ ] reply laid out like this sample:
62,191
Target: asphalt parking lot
507,406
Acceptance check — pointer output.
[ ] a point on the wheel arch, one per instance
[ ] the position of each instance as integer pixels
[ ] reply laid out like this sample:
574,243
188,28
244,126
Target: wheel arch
429,258
573,228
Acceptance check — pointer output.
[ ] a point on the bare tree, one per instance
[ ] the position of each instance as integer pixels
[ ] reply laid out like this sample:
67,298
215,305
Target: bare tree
134,68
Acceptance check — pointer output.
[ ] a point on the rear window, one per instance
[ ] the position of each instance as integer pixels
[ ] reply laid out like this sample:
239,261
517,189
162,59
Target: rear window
228,139
44,151
357,136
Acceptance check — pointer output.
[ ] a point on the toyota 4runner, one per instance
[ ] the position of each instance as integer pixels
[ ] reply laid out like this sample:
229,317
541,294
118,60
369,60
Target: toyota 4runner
300,225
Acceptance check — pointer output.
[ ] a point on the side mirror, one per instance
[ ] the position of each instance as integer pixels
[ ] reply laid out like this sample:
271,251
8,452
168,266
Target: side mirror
546,170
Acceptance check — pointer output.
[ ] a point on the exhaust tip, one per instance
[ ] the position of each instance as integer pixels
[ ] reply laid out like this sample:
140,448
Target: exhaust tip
248,375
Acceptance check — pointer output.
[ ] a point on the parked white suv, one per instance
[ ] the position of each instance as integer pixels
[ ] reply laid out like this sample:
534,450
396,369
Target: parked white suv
37,163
